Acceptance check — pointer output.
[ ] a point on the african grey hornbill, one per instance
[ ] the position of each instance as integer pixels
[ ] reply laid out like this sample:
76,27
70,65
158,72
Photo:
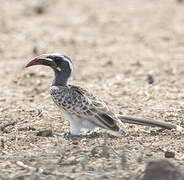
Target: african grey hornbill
82,108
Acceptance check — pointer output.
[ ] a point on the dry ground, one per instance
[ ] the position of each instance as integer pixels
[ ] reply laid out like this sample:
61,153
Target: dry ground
114,46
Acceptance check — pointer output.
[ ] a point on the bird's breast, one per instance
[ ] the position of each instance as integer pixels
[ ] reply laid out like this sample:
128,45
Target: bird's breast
62,97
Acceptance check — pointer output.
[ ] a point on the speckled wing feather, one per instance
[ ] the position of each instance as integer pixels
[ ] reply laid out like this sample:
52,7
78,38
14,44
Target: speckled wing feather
83,104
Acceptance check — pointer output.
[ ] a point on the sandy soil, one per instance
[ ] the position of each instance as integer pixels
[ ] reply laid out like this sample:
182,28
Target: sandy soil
114,46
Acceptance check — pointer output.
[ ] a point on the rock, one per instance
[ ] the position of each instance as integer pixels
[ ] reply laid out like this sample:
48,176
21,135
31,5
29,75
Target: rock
169,154
75,142
39,9
150,79
140,156
162,170
45,133
2,142
71,159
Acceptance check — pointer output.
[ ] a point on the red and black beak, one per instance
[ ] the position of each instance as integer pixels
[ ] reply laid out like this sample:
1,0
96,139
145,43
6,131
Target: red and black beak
42,60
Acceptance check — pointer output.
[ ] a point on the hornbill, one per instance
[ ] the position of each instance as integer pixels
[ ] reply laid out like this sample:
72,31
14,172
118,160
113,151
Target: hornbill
81,108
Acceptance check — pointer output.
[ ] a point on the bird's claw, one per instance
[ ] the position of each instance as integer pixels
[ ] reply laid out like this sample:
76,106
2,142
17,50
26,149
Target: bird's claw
123,132
69,135
66,135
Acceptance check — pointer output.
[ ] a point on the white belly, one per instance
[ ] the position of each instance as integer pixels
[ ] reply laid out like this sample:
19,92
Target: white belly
77,123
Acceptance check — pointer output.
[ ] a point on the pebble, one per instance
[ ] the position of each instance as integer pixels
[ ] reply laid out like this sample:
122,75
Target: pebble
161,170
71,159
150,79
45,133
169,154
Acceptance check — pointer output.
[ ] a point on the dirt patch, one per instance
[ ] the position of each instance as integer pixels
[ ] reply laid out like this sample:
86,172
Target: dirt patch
115,46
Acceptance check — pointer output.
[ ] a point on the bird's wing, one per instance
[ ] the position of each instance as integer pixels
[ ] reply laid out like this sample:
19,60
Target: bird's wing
90,107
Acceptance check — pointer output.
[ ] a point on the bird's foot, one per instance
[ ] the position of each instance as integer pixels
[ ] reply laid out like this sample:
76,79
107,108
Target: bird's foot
66,135
123,132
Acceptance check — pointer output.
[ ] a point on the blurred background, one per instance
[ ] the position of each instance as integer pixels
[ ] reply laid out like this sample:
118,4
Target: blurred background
129,53
114,45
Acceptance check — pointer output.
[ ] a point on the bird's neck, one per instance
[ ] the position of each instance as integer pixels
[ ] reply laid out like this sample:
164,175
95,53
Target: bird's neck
60,79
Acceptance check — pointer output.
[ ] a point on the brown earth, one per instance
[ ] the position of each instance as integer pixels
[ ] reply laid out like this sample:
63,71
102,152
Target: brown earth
114,45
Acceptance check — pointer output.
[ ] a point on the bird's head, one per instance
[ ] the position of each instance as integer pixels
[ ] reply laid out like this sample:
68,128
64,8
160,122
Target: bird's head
62,65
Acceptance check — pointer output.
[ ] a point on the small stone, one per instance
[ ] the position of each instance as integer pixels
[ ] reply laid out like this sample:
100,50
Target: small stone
2,126
75,142
74,170
83,140
2,143
150,79
161,170
45,133
153,133
39,9
109,63
2,99
35,50
169,154
149,154
70,161
140,157
72,158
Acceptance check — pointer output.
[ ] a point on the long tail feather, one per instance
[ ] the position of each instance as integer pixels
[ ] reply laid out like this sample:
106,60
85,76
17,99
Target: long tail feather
149,122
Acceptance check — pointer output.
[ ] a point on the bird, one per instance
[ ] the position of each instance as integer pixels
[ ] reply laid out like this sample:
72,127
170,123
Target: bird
82,108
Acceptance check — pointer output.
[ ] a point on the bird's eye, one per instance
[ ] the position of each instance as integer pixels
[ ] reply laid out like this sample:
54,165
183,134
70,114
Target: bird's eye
58,68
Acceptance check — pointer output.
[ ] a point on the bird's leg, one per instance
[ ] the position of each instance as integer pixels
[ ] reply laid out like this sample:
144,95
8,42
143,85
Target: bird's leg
75,127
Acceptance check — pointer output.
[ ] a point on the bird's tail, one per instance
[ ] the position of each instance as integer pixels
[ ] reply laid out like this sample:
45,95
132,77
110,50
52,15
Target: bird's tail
149,122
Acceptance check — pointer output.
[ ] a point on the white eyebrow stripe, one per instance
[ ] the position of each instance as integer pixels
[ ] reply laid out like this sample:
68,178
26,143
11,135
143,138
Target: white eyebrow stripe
69,62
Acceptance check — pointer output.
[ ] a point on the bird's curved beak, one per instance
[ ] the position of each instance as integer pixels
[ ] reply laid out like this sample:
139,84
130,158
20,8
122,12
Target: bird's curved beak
41,60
